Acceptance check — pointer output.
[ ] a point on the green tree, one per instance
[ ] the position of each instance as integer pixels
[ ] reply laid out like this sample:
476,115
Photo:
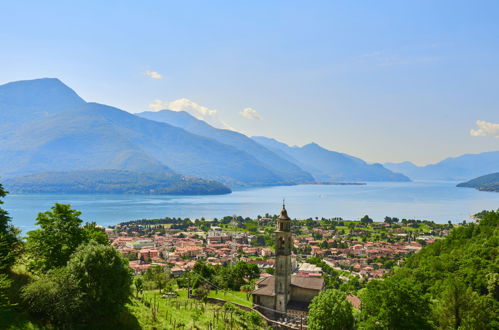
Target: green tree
9,241
330,310
5,283
459,307
53,298
95,233
366,219
103,278
58,237
139,285
395,303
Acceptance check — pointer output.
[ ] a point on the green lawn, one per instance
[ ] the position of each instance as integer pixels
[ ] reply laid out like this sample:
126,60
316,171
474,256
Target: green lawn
233,296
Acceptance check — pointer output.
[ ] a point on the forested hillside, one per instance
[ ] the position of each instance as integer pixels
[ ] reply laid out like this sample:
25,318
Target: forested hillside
450,284
113,181
488,182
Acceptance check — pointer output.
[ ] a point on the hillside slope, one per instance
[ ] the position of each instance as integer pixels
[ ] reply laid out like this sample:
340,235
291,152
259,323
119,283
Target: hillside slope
289,171
47,127
489,182
113,181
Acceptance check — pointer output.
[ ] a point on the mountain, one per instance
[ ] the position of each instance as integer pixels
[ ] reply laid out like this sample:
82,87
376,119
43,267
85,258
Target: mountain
113,181
489,182
460,168
46,127
326,165
288,171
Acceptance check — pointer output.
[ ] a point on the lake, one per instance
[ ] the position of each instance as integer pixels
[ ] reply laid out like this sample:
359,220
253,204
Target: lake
437,201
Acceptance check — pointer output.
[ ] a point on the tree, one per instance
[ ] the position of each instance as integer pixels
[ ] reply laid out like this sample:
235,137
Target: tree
103,278
59,235
394,303
9,244
139,285
9,241
157,276
460,307
330,310
366,219
5,283
53,298
95,233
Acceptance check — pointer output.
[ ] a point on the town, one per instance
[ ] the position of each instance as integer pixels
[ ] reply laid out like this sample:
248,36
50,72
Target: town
325,253
363,249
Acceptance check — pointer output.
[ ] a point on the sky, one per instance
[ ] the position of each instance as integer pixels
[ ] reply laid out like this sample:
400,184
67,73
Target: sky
386,81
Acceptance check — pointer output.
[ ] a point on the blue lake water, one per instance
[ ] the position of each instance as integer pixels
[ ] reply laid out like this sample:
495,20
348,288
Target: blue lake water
437,201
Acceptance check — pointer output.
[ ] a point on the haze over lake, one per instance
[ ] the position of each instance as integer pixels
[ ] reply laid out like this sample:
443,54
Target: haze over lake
437,201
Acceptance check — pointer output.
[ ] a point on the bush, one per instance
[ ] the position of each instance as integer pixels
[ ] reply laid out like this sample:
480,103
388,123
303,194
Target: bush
95,285
54,298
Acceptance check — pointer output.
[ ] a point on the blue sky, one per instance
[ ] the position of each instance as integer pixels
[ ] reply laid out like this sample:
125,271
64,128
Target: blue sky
382,80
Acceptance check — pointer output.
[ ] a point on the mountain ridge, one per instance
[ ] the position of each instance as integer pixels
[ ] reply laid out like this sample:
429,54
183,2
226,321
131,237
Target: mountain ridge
489,182
458,168
327,165
289,171
89,136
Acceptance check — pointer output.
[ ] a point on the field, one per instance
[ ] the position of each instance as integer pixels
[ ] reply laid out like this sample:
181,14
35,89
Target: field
153,312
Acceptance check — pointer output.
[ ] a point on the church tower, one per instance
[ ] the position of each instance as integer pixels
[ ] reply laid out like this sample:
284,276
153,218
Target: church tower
283,261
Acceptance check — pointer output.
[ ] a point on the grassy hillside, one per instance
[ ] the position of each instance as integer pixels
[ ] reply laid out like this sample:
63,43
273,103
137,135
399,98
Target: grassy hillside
153,312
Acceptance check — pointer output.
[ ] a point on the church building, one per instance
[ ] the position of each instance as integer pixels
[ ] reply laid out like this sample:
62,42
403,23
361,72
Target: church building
285,293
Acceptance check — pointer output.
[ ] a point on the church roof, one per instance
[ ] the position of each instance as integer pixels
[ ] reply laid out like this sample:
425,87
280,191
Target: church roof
267,285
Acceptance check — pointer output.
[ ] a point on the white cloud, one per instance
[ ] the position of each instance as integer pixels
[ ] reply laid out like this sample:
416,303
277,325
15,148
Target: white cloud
196,110
154,74
158,105
485,129
250,113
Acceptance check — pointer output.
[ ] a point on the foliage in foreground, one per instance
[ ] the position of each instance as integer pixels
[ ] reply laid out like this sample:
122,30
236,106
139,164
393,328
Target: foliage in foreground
59,235
9,241
96,283
330,310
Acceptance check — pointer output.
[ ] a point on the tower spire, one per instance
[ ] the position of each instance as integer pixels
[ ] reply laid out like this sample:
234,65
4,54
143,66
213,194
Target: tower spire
283,239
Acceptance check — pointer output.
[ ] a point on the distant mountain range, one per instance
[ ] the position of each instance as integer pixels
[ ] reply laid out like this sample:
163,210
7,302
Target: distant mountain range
302,164
45,127
326,165
489,182
460,168
288,171
37,134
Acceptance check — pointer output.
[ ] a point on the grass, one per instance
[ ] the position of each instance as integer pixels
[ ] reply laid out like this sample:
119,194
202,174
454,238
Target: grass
153,312
232,296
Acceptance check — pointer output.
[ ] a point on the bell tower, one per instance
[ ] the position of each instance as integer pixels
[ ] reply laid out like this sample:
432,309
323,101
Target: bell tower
283,261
